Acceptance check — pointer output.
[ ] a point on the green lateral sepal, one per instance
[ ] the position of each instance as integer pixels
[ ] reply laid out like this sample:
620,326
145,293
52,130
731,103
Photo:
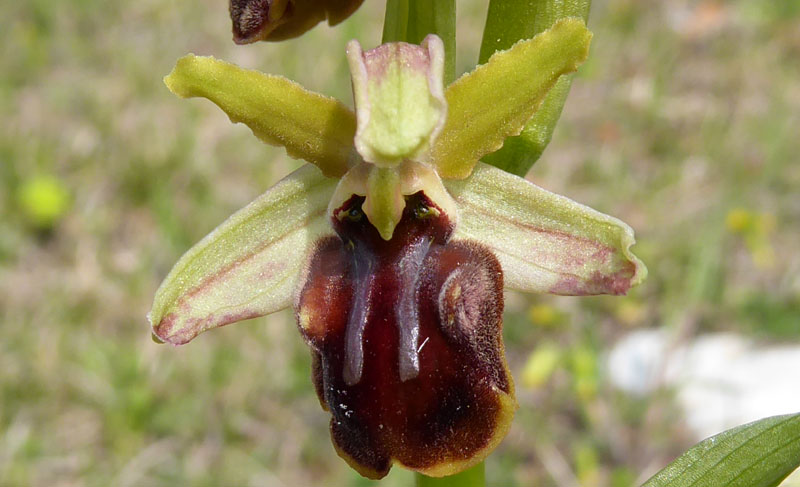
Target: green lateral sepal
250,265
546,243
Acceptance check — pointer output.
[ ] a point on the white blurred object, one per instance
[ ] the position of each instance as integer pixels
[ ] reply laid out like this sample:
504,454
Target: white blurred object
721,380
636,362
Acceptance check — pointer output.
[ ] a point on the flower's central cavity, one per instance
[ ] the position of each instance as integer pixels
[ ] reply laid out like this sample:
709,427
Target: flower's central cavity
406,339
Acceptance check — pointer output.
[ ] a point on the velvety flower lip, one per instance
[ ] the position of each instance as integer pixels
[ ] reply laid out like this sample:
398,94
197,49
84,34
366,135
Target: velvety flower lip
394,244
407,344
277,20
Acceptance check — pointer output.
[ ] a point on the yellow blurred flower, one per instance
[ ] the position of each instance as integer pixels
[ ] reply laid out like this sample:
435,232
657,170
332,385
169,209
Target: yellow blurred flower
756,229
541,364
43,200
584,371
738,220
630,312
545,315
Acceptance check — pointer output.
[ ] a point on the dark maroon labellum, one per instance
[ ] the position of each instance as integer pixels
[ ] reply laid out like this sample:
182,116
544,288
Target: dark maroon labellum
407,344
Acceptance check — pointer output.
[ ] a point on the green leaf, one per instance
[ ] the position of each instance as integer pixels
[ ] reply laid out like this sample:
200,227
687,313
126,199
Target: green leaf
248,266
507,22
496,99
545,242
758,454
395,21
435,17
412,20
310,126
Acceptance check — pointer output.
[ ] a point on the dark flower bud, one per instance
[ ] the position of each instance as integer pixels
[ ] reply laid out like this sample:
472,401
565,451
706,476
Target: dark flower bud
277,20
407,343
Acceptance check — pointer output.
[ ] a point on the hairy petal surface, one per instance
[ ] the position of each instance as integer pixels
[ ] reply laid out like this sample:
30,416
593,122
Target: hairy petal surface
280,112
250,265
496,99
406,336
545,242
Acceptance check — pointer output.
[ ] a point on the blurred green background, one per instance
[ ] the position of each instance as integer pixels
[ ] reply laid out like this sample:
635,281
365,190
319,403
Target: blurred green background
684,123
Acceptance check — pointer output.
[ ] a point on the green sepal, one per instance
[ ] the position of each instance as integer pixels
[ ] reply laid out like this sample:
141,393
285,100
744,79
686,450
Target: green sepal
250,265
495,100
546,243
280,112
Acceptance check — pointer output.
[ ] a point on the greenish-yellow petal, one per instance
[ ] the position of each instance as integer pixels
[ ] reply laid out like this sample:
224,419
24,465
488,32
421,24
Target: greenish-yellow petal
496,99
250,265
545,242
280,112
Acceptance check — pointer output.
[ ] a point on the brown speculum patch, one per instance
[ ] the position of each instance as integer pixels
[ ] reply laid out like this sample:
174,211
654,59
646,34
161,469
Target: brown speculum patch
407,343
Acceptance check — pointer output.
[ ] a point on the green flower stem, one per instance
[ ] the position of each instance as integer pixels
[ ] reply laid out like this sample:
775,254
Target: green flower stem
411,20
395,22
473,477
507,22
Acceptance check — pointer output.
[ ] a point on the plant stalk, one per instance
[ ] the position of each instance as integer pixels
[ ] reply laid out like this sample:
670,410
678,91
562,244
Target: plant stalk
410,21
472,477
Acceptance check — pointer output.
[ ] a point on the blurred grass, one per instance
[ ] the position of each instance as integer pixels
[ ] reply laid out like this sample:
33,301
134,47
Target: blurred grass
686,114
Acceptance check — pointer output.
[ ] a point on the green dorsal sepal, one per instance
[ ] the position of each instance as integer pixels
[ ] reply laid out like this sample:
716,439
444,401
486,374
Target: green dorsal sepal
399,98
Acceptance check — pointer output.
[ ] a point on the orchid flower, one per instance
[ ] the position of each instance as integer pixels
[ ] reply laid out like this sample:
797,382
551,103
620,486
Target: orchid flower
277,20
394,243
